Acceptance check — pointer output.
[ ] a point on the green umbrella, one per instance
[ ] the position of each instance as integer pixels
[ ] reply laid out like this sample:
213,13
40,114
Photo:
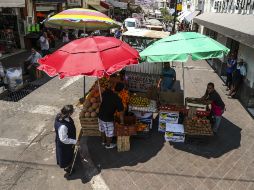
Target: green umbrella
180,46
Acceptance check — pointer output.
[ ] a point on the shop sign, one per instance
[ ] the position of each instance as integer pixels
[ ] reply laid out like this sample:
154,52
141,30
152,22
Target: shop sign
234,6
179,7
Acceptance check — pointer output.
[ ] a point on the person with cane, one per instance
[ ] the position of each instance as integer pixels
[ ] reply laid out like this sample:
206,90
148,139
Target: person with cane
65,139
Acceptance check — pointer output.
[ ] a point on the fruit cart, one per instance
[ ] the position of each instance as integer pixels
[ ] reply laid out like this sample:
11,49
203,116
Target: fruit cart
197,126
190,122
143,108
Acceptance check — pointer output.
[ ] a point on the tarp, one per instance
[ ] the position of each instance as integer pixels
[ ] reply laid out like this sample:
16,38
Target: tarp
146,33
12,3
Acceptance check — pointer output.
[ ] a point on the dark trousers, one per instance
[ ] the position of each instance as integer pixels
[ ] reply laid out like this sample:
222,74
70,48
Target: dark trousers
44,52
229,80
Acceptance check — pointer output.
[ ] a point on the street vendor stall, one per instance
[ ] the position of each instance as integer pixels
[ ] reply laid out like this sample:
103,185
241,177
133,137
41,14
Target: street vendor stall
179,48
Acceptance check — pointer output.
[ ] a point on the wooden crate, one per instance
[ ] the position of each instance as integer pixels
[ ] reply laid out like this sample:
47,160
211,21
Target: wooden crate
125,130
123,143
89,126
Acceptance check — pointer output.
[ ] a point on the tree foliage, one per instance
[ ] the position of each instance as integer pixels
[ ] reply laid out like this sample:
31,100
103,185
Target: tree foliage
166,16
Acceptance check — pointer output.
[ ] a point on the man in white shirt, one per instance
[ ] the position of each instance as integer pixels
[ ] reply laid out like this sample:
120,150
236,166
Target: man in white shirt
44,43
32,61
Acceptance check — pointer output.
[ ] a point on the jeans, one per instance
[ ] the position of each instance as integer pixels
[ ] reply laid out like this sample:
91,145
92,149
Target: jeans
216,124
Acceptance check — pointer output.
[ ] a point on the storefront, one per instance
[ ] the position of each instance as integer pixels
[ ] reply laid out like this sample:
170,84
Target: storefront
232,27
11,25
45,8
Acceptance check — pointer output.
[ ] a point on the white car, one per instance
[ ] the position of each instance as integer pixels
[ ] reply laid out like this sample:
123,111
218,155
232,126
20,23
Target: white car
132,23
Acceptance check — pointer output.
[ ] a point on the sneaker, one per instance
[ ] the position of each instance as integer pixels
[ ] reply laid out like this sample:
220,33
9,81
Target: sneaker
103,143
110,146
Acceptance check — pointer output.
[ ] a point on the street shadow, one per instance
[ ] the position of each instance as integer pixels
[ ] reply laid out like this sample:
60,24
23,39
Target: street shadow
96,158
143,148
227,139
82,170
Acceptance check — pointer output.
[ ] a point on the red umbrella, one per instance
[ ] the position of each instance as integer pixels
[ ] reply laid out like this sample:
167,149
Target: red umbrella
92,56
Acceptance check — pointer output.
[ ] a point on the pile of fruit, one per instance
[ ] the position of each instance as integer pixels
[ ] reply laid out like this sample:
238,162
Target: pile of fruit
104,83
92,104
197,126
142,127
124,95
139,101
168,107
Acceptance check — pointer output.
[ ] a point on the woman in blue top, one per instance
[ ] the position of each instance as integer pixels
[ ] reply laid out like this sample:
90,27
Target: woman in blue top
167,79
231,65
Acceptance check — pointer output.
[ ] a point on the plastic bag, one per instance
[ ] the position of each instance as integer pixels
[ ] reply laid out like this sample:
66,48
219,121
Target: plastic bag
14,78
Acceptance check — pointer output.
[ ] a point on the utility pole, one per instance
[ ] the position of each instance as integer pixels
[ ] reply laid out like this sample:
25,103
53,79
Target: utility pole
175,15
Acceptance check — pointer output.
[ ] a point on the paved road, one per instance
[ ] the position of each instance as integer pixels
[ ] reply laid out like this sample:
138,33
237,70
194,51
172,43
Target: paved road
226,162
27,159
27,151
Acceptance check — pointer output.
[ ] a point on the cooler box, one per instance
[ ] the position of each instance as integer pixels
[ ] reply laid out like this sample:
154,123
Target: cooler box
174,133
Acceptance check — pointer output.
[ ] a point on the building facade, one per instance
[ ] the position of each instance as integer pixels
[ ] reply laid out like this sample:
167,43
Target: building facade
231,22
12,31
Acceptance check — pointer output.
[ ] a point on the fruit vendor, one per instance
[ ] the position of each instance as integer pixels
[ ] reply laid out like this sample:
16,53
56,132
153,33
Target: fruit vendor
167,78
218,105
65,137
118,78
111,103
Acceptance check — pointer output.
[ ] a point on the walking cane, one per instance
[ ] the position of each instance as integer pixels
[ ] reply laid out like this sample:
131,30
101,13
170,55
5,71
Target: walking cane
76,152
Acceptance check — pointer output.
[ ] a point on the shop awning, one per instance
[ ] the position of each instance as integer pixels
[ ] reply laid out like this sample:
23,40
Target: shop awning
191,16
98,8
236,26
12,3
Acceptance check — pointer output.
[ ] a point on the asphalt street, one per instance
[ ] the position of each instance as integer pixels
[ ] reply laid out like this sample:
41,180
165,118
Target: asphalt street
27,151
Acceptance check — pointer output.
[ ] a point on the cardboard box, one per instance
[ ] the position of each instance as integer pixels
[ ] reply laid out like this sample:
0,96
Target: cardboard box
174,133
167,117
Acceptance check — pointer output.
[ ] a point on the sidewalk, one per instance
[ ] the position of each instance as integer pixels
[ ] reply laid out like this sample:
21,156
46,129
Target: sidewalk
227,162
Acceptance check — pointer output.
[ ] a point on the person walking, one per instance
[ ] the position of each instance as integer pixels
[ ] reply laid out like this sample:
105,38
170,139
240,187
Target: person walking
65,35
31,64
65,137
44,43
217,104
52,41
111,103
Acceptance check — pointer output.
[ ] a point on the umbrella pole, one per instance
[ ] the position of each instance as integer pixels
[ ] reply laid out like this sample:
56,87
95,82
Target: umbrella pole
99,86
84,86
183,81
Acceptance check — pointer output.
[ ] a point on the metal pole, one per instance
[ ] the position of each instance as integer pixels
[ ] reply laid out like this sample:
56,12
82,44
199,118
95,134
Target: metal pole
84,86
99,89
174,26
183,82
